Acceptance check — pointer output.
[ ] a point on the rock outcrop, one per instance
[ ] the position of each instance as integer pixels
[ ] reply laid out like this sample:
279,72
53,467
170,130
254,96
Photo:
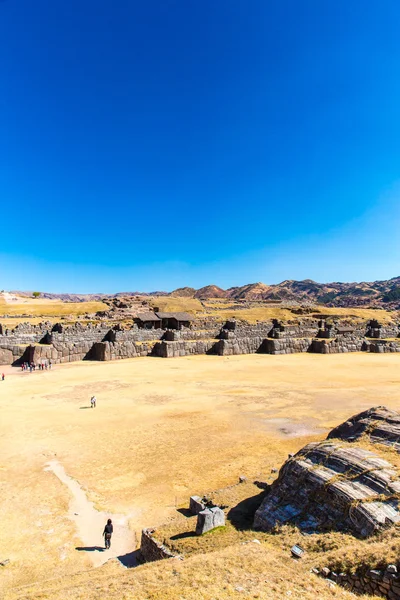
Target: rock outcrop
380,424
328,485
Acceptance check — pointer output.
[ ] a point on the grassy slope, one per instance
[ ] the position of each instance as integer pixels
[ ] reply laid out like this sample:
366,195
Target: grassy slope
257,570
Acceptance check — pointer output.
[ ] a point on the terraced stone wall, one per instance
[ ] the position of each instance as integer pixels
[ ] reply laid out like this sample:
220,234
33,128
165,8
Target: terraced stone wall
151,549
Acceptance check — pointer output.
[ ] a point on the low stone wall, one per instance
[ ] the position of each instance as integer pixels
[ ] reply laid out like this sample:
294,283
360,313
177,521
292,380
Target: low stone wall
383,346
262,329
151,549
337,345
245,345
135,335
118,350
376,582
286,346
173,335
166,349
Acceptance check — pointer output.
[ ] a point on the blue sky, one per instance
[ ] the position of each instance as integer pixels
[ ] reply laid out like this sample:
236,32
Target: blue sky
150,145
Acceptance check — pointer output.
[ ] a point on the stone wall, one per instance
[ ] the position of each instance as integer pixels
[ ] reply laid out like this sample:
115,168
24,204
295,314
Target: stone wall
6,356
382,346
172,335
261,329
337,345
134,335
241,345
286,346
118,350
151,549
166,349
376,582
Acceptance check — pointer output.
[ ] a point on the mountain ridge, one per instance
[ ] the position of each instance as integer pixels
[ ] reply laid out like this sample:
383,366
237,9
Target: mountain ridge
340,294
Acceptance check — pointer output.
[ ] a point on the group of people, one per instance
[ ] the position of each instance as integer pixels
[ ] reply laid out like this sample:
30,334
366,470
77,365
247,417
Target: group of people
26,366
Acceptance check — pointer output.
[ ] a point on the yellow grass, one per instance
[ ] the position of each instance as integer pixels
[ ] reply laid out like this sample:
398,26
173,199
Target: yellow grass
162,431
361,313
48,308
267,313
171,304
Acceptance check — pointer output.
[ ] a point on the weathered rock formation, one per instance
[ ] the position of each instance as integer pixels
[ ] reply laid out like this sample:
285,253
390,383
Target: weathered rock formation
380,424
329,486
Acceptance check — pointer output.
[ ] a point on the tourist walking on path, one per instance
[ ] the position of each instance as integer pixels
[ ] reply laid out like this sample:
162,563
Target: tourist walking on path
93,402
107,533
3,377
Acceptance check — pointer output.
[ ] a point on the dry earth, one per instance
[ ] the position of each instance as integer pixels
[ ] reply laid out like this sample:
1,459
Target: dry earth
162,430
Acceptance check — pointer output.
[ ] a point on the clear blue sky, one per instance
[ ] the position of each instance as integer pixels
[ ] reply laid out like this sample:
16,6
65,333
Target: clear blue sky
149,145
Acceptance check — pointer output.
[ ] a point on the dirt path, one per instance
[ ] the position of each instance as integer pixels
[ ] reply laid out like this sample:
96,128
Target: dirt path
90,524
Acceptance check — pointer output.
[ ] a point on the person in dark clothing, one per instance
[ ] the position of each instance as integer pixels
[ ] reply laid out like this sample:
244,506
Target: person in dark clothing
108,530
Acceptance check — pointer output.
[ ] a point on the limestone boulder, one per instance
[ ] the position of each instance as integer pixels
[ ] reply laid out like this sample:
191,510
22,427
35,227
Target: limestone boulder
208,519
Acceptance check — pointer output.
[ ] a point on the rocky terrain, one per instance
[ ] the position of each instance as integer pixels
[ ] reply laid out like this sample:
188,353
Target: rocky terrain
333,485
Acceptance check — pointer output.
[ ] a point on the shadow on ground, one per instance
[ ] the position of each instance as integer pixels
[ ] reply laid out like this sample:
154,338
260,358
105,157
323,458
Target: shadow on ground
185,512
90,549
242,515
130,560
185,534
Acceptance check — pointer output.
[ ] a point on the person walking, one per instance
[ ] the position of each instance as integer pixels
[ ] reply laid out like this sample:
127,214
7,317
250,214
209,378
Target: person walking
93,402
107,533
3,377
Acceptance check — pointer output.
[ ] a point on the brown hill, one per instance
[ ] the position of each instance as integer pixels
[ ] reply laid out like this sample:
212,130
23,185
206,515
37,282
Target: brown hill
210,291
184,292
252,291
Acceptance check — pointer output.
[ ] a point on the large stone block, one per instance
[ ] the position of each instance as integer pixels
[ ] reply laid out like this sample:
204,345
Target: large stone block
196,505
208,519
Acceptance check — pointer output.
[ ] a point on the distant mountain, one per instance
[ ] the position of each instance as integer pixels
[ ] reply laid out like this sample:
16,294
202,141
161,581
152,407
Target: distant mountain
184,292
376,293
210,291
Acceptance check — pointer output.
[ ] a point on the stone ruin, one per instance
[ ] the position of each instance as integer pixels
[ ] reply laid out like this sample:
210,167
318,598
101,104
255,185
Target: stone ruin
333,485
59,343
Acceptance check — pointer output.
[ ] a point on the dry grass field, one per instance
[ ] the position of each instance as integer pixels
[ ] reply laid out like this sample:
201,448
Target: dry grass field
266,313
163,430
42,307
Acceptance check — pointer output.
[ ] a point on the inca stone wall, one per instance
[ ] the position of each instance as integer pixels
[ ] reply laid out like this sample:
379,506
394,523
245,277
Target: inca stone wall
117,350
241,345
183,348
104,342
382,346
151,549
376,582
286,346
339,344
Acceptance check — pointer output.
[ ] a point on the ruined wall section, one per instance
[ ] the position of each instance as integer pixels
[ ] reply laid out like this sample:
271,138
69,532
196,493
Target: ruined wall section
166,349
286,346
337,345
375,582
151,549
103,351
